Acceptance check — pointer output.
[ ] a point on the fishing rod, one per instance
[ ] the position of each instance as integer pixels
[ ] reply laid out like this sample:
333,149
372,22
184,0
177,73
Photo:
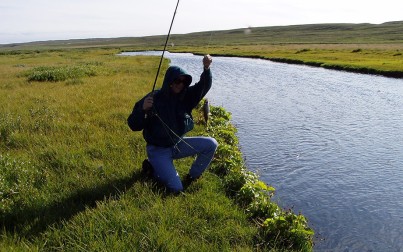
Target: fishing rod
165,46
155,81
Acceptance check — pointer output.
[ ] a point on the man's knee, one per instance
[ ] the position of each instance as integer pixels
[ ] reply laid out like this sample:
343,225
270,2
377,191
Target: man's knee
176,188
213,143
174,184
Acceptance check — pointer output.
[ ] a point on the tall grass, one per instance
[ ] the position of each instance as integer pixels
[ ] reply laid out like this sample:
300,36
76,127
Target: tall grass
70,167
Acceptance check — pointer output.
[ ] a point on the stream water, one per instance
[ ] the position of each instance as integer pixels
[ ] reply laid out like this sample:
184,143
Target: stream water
330,142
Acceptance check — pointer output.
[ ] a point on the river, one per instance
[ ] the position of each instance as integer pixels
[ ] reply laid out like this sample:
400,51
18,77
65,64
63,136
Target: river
330,142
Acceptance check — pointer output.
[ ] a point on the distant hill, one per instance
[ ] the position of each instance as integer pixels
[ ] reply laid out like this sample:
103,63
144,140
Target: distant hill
389,32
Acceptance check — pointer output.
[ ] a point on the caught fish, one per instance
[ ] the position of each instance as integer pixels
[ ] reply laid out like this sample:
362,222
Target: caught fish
206,111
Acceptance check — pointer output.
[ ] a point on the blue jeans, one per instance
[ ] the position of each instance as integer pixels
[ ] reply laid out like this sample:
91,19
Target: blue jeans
161,158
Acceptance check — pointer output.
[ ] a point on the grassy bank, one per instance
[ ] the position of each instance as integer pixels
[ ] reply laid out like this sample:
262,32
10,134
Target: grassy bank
385,60
70,167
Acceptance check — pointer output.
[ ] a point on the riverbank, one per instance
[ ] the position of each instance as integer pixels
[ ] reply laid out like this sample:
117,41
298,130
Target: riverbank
70,167
376,59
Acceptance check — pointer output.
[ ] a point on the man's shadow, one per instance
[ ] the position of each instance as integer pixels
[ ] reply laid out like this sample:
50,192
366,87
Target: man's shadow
31,221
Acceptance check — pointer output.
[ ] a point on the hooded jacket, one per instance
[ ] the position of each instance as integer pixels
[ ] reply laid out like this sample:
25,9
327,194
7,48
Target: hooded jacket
170,112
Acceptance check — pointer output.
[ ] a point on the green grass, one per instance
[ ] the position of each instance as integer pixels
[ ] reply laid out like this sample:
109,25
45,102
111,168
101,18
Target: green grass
70,168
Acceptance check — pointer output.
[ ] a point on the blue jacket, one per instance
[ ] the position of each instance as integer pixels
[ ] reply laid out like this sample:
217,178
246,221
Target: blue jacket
170,113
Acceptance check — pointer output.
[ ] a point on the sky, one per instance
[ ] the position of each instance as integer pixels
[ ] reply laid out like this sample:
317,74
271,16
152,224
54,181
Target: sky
41,20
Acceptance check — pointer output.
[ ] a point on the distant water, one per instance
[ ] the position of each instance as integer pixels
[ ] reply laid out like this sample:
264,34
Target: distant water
330,142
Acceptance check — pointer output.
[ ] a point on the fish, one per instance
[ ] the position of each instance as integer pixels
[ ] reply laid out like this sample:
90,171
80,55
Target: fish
206,111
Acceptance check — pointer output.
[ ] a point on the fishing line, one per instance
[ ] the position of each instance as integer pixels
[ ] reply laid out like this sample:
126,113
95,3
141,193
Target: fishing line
165,47
173,132
181,139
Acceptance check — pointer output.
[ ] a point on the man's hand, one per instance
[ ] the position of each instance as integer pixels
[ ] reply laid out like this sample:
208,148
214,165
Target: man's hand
148,103
207,59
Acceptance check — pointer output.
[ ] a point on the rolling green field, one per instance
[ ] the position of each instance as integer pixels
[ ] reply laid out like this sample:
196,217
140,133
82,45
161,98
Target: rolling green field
363,48
70,168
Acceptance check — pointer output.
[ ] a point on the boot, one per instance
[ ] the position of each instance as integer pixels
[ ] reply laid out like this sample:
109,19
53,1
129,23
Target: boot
147,168
187,181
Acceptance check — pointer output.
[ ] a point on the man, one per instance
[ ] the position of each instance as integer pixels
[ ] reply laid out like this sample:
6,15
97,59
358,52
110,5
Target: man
165,116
